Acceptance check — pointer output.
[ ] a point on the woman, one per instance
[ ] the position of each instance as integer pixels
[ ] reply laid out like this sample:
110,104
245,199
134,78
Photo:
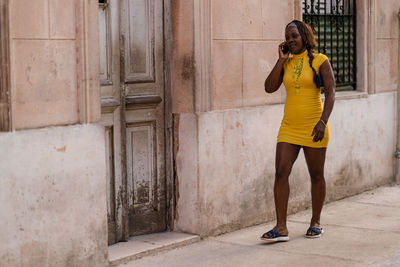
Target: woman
304,124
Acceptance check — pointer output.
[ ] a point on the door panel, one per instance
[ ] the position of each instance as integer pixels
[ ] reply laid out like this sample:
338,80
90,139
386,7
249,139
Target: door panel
110,183
143,75
109,52
142,31
105,46
133,109
111,115
139,23
141,163
145,171
112,126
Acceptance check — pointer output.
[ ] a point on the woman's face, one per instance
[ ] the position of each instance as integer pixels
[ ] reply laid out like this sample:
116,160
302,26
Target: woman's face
293,40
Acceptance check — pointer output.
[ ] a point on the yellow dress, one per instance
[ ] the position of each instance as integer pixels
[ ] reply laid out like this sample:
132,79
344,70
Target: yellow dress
303,105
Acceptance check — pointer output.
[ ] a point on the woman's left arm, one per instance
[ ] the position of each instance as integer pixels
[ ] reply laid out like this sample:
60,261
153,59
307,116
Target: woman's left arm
329,84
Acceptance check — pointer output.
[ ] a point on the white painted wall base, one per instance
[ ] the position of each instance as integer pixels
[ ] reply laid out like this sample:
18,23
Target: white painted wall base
225,162
53,197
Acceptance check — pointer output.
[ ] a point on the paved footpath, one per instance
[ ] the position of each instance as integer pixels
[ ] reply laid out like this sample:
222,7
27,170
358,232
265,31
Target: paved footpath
363,230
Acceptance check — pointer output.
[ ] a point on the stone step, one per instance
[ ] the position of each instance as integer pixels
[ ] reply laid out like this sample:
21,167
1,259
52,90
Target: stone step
144,245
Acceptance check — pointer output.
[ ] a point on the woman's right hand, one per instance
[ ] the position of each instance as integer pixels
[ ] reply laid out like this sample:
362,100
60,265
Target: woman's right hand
275,77
281,54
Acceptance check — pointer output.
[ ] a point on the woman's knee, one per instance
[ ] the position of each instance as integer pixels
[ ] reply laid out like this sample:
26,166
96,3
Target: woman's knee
317,177
282,174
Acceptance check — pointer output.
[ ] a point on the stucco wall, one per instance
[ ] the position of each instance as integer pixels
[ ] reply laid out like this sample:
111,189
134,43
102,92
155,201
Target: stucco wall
54,62
232,185
245,38
386,55
53,197
53,181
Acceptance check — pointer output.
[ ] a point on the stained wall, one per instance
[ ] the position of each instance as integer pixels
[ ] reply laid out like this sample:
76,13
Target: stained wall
50,85
52,164
387,49
53,195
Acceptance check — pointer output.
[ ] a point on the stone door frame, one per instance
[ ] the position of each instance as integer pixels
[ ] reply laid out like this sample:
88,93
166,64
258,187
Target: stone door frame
5,96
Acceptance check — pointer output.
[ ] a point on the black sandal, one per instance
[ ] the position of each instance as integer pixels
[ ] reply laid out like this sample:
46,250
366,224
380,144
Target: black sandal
314,232
274,236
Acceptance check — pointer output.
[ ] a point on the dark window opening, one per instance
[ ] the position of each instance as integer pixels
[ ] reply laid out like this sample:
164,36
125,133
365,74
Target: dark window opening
334,25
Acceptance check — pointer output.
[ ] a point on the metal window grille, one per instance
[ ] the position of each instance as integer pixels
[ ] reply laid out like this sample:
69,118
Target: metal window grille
334,26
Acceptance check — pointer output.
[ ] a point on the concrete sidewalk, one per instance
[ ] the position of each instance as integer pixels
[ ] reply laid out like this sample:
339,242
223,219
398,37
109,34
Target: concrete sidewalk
359,231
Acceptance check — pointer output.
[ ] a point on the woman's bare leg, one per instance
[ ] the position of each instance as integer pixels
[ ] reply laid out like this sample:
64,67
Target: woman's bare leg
286,155
315,158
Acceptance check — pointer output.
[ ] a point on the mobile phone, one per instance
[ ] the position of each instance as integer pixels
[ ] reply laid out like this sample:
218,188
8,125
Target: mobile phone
285,48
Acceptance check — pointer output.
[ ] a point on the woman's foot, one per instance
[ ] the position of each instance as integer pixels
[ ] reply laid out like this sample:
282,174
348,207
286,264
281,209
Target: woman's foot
314,231
276,235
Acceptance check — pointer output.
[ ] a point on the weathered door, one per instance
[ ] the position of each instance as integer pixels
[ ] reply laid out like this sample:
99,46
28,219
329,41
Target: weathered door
132,87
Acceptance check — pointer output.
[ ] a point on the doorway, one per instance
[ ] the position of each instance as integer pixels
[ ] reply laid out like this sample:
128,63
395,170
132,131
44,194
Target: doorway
131,36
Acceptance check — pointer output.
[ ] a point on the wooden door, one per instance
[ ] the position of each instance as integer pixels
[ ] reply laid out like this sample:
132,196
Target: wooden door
132,69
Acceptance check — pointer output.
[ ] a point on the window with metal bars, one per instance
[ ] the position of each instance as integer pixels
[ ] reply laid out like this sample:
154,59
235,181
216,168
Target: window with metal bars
334,26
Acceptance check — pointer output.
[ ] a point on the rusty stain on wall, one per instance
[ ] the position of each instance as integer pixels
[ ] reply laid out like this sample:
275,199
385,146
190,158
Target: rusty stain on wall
187,67
182,65
62,149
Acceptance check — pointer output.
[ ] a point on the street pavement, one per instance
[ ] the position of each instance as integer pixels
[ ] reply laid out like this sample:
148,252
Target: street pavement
363,230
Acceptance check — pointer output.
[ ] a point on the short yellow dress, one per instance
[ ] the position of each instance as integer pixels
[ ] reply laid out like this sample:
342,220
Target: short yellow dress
303,105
